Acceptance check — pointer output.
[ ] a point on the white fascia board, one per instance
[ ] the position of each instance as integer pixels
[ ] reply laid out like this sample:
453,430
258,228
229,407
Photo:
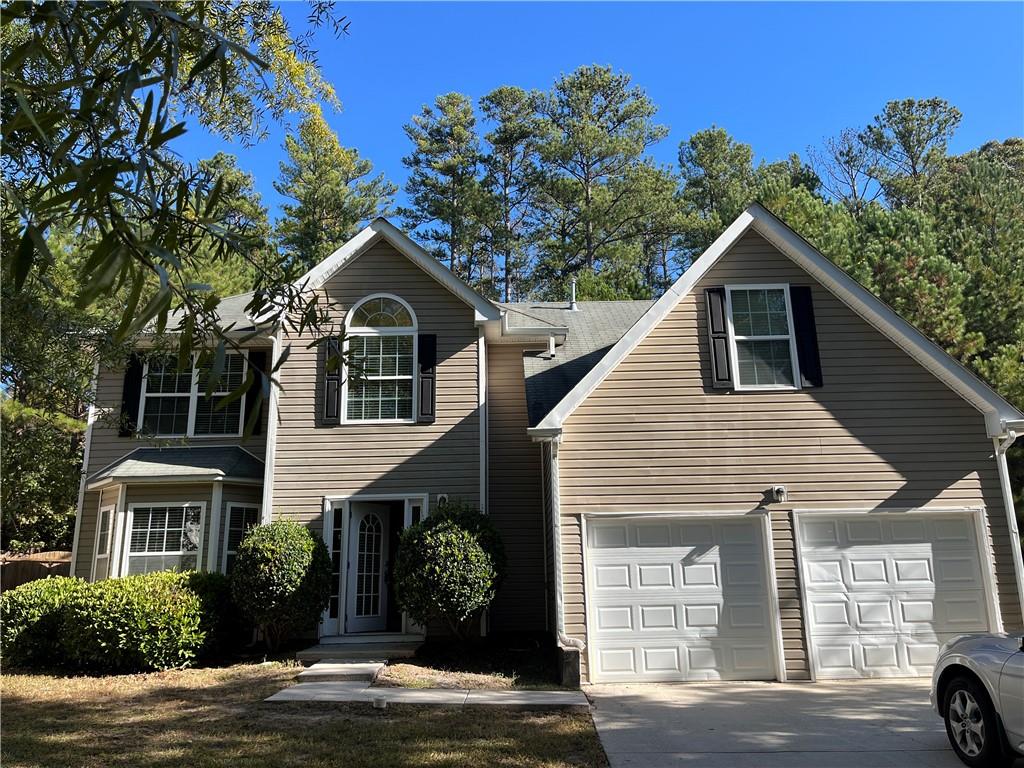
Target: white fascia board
647,322
381,228
934,359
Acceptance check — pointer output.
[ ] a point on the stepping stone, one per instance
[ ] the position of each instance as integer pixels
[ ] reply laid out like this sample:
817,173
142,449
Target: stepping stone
340,670
343,690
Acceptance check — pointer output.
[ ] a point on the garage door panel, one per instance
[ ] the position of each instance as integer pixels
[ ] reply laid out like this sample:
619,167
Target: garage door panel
884,592
678,600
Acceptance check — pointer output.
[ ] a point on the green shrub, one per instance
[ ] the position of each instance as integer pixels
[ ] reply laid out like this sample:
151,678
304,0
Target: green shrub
149,621
33,621
448,567
281,579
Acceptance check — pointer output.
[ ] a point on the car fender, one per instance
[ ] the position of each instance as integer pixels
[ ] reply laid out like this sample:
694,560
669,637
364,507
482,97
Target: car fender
963,660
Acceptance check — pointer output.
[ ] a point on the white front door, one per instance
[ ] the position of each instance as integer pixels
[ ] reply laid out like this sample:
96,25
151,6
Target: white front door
678,599
884,591
366,601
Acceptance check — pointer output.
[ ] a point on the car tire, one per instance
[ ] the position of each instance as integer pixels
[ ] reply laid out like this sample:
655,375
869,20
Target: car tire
972,725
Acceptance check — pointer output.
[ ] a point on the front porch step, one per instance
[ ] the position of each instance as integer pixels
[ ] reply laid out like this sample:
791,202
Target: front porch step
363,652
337,670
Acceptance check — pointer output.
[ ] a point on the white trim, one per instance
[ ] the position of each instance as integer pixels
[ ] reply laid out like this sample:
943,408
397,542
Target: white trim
151,479
382,229
216,502
193,402
413,378
482,410
1003,470
848,290
986,558
117,553
91,419
112,510
129,518
790,337
231,506
270,451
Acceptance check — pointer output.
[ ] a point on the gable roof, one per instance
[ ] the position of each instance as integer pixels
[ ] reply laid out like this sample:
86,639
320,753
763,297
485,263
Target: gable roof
382,229
592,329
932,357
206,463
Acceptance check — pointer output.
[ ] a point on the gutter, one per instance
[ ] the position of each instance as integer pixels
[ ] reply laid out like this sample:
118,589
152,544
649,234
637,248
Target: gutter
1002,444
564,641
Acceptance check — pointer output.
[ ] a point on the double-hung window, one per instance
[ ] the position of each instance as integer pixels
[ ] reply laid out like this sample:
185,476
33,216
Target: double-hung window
163,537
175,402
761,336
241,517
103,543
381,332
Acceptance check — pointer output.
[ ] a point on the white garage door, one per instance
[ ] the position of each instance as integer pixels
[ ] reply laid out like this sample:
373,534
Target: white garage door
885,591
678,599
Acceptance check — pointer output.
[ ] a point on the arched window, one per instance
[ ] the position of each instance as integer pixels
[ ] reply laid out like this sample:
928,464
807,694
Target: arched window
381,333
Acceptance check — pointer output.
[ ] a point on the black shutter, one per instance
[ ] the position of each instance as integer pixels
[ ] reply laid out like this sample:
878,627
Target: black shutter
806,335
328,407
258,365
718,338
426,352
130,394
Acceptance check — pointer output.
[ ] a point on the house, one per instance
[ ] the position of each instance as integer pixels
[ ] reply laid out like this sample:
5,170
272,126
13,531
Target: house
764,474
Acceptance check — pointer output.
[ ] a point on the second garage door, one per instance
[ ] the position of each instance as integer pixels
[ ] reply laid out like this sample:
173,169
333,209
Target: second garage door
884,591
678,599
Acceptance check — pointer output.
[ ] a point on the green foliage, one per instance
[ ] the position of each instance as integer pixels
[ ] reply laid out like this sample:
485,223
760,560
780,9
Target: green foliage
32,621
149,621
331,192
281,579
40,464
448,567
221,622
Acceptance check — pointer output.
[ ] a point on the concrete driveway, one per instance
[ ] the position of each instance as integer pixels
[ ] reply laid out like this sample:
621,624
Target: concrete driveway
857,724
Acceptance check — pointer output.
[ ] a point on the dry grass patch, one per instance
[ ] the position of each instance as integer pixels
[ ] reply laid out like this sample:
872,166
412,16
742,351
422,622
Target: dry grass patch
217,717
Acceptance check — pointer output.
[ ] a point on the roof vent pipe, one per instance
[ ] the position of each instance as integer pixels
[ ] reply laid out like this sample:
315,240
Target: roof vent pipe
573,306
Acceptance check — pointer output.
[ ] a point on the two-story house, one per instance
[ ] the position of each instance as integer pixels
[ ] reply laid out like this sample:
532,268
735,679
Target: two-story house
764,474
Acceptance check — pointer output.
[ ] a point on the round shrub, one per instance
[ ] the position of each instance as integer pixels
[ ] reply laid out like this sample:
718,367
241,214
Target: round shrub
149,621
32,619
448,567
281,579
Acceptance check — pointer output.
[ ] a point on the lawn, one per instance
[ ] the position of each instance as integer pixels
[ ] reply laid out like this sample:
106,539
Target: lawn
217,717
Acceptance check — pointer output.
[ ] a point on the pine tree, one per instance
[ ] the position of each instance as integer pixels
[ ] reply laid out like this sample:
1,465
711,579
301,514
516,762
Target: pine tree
332,195
444,187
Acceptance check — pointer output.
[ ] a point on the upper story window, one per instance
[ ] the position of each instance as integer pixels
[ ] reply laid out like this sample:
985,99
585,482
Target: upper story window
174,402
381,333
761,336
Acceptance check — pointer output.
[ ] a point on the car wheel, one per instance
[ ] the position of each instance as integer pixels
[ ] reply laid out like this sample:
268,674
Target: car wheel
971,724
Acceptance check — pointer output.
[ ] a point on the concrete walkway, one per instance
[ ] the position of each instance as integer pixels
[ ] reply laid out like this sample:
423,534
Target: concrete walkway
857,724
340,680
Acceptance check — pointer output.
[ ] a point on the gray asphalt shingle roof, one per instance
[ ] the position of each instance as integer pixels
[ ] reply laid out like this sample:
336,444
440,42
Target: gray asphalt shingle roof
593,328
212,462
231,310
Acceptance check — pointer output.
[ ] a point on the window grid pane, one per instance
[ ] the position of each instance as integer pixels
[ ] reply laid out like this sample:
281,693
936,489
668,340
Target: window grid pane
386,392
166,414
164,537
760,325
764,363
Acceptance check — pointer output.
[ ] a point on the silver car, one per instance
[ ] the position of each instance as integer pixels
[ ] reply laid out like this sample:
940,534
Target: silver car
978,690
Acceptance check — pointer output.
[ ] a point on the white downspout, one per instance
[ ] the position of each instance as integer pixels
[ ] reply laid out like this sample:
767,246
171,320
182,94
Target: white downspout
556,543
270,452
1001,445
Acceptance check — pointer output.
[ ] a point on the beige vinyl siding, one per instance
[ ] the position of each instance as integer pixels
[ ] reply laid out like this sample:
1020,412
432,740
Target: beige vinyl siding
106,447
514,490
881,432
313,461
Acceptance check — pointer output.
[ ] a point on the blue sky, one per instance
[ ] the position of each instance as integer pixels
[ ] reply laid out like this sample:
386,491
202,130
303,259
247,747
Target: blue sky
777,76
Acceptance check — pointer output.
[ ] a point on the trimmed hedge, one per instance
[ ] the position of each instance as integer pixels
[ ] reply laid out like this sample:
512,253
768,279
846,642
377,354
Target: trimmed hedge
151,621
449,567
281,579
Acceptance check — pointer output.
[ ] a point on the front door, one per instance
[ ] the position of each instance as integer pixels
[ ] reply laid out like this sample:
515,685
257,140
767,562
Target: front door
366,608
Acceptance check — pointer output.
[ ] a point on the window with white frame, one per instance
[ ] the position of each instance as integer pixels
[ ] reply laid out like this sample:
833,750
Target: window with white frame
175,401
762,339
163,537
381,334
240,519
103,543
